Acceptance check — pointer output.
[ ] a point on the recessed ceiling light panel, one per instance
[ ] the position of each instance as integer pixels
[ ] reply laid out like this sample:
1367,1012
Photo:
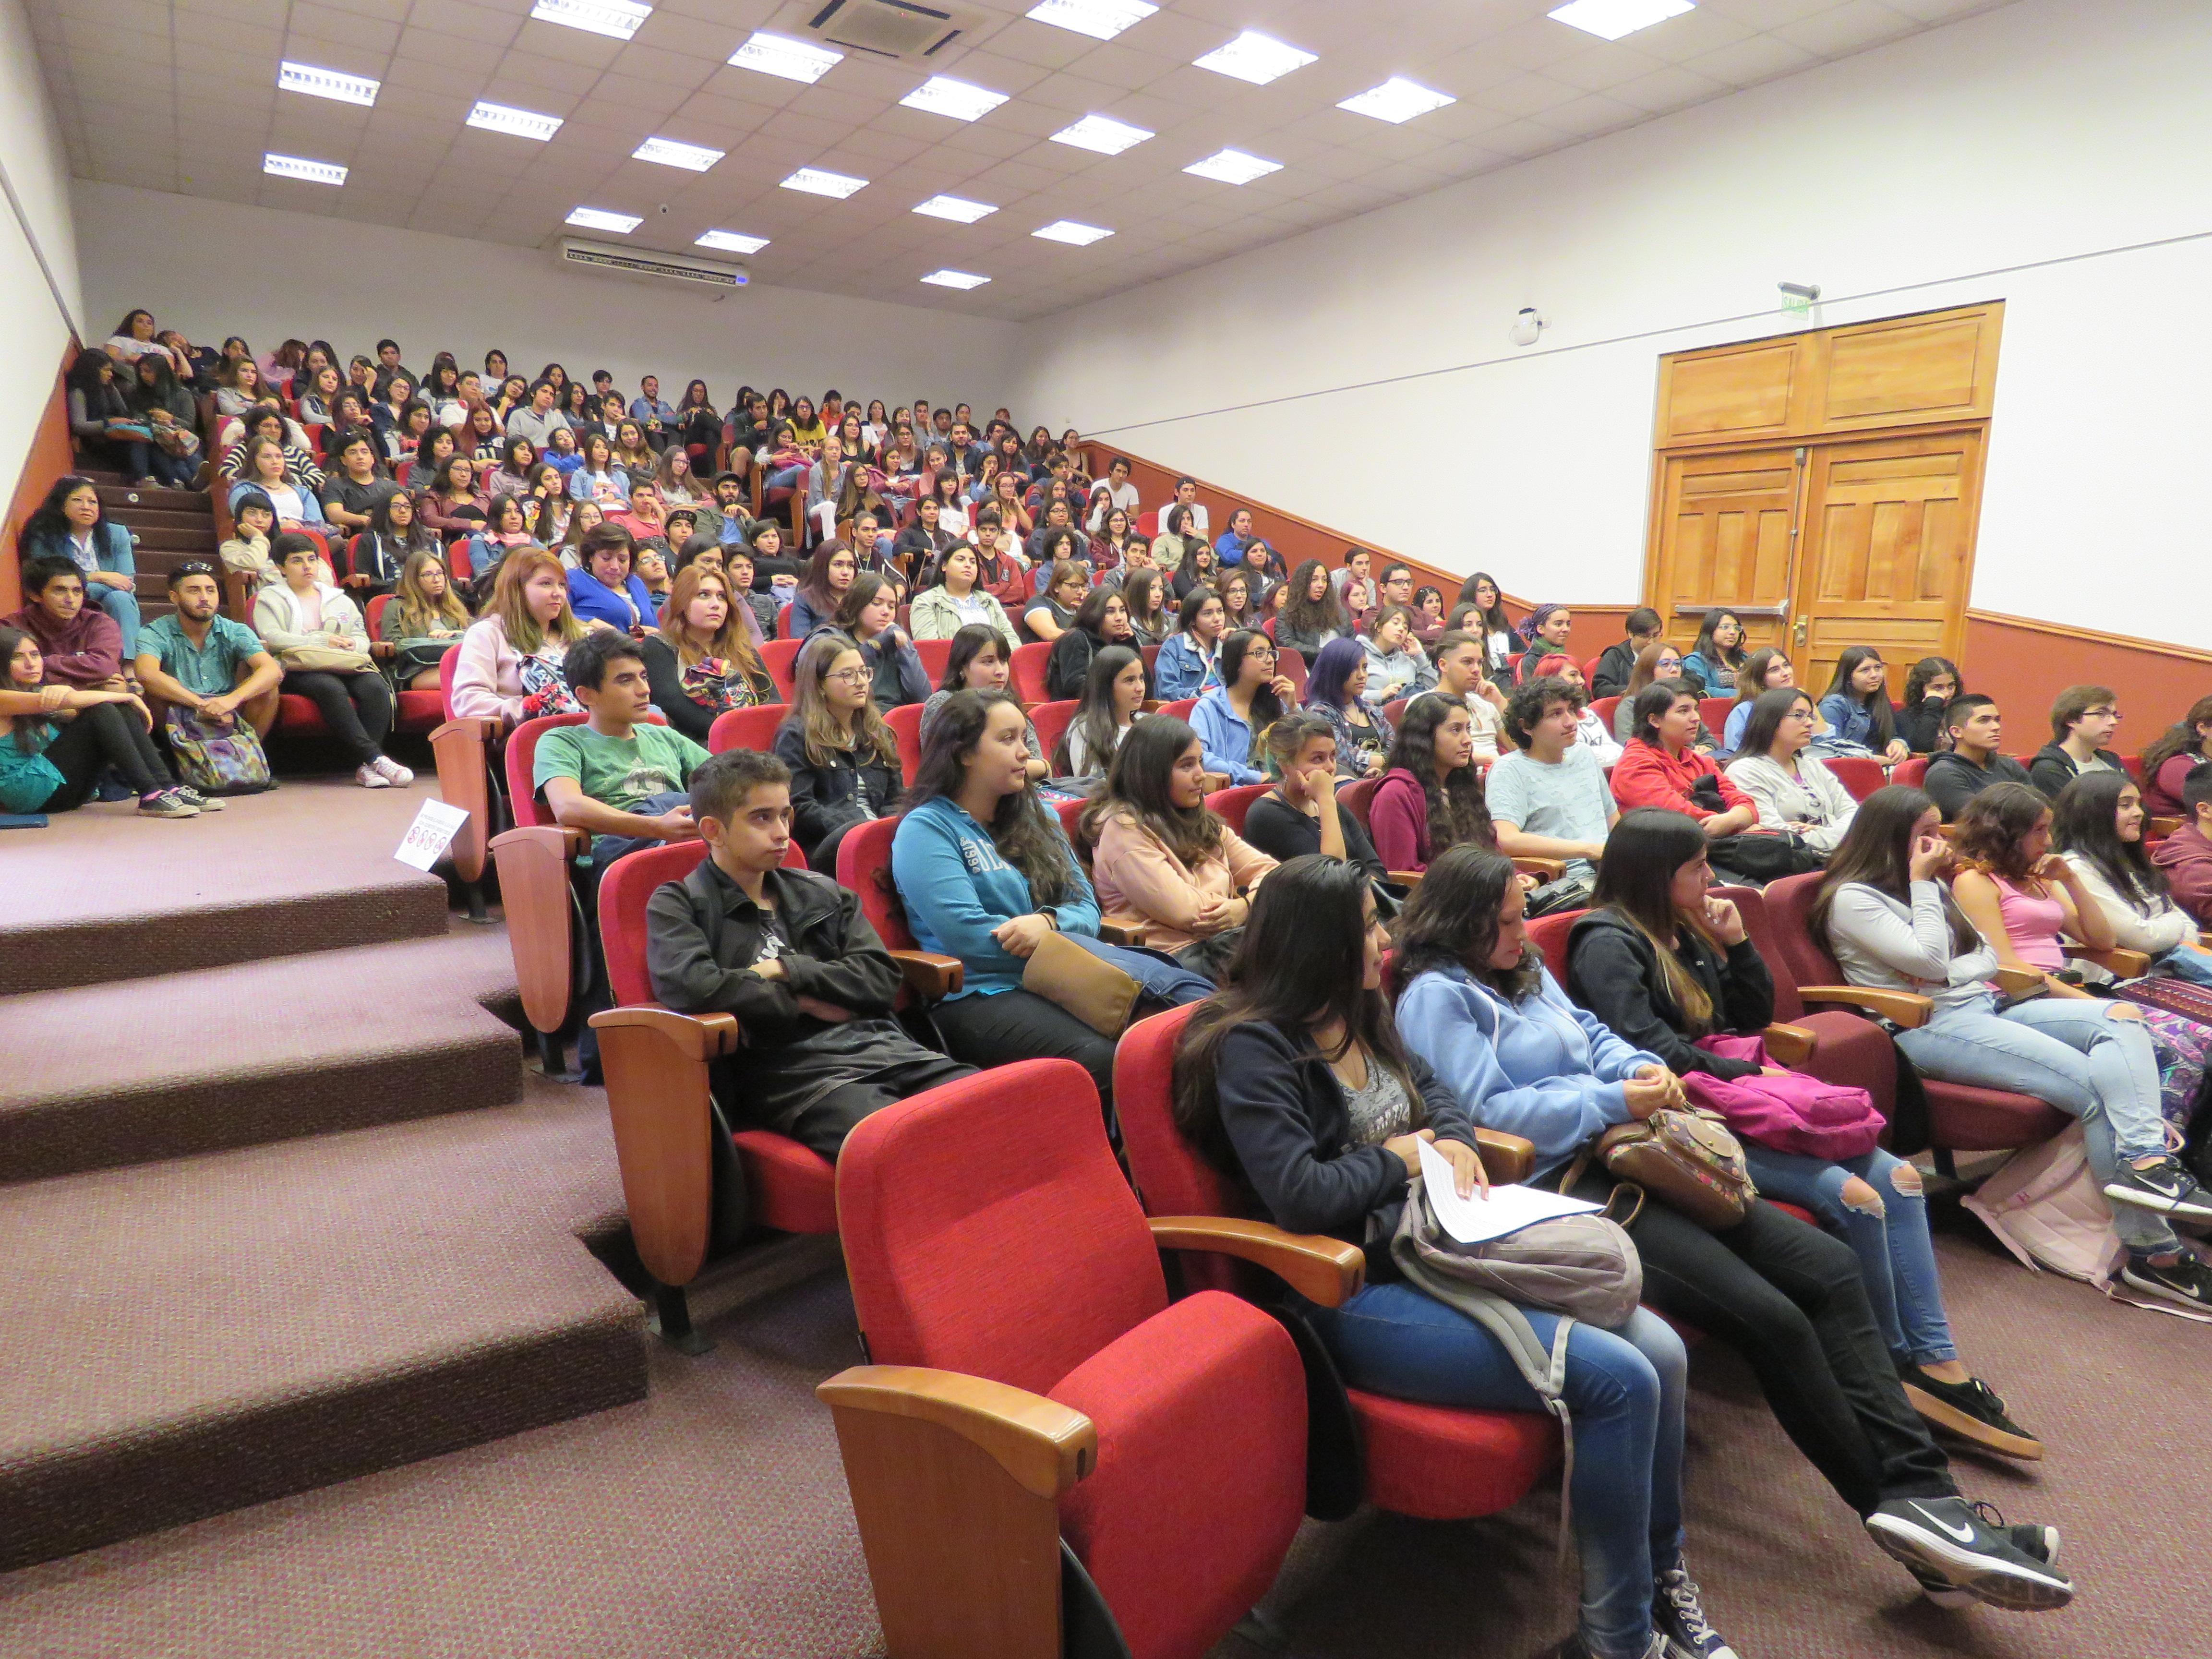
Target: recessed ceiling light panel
729,241
1609,20
587,218
521,123
941,95
1233,167
955,279
1256,58
1102,133
958,208
786,59
695,158
819,181
325,84
1102,19
1071,232
297,166
1397,100
618,20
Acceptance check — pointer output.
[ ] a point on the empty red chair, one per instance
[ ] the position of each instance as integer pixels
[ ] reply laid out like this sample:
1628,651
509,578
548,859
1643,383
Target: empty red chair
1909,773
1712,715
934,654
1234,804
1605,709
1033,1385
1860,774
1179,709
1148,523
1292,667
905,722
781,658
746,728
1051,720
1027,665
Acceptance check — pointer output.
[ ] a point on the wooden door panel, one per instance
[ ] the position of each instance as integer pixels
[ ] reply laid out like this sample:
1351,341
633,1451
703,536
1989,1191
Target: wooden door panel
1745,391
1724,538
1907,371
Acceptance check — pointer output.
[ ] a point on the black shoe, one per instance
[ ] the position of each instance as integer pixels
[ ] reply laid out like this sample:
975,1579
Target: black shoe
2185,1280
1971,1410
2165,1186
2041,1542
1968,1546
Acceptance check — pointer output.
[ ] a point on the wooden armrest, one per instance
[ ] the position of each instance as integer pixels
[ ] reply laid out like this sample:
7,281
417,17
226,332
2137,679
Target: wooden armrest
930,975
1789,1044
2163,827
1404,878
535,890
696,1036
1505,1158
1324,1270
1908,1008
2017,979
551,837
482,731
1122,930
658,1103
1045,1446
2120,963
1549,869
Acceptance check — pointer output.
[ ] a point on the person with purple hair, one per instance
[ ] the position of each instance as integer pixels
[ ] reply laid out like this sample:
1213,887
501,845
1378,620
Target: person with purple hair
1546,631
1332,688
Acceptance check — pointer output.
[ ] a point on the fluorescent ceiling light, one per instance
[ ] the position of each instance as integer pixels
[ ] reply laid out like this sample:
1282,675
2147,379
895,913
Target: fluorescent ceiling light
695,158
325,84
598,219
1102,133
293,167
1102,19
1609,20
616,19
728,242
1396,99
787,60
941,95
1072,233
955,279
819,181
958,208
1233,167
522,122
1253,57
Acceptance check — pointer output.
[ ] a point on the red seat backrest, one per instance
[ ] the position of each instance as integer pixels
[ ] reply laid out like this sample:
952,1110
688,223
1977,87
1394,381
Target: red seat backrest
1910,773
969,1212
1148,523
2133,763
521,754
1051,720
1713,713
1605,709
1395,712
1787,908
1235,804
1150,654
1589,671
1293,666
1171,1178
780,658
1027,665
447,664
934,654
1860,774
783,623
864,865
1353,797
1759,924
1179,709
623,891
1549,935
746,728
905,722
374,618
1071,813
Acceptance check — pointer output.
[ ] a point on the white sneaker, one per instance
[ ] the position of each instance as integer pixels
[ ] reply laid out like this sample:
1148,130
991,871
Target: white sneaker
392,771
369,777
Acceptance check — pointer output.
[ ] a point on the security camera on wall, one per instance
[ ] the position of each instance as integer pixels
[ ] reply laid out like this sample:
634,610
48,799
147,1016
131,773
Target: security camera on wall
1528,327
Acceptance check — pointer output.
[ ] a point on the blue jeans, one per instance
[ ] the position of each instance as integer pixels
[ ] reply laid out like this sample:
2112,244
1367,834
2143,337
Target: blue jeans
2072,1053
121,604
1896,1256
784,478
1625,1393
2187,961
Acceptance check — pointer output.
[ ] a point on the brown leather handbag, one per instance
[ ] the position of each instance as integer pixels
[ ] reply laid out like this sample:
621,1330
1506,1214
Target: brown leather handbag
1686,1159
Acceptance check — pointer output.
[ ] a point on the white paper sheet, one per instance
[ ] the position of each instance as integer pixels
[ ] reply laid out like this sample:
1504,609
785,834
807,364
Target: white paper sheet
1477,1219
431,833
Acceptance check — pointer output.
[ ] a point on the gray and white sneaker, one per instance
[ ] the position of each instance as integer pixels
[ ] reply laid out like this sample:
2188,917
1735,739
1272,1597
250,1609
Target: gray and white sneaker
2165,1186
1969,1547
1678,1614
369,778
193,798
2041,1542
392,771
2185,1280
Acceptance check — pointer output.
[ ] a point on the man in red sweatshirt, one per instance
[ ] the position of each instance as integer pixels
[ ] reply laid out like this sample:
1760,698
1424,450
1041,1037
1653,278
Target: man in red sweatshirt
2186,855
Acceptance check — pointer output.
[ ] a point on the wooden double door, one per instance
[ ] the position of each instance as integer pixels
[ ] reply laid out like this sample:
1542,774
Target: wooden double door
1856,529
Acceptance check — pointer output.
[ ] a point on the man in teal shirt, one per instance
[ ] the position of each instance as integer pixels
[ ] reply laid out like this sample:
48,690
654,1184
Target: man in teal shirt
204,663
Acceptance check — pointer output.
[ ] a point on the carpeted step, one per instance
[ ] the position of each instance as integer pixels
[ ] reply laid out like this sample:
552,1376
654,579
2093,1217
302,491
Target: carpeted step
188,1338
184,539
119,498
255,1052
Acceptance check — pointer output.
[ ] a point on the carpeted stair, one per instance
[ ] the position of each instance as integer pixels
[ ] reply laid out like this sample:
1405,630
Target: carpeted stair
168,527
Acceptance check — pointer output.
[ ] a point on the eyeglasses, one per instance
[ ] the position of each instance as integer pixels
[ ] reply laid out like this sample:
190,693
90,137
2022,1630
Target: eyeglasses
2101,714
850,675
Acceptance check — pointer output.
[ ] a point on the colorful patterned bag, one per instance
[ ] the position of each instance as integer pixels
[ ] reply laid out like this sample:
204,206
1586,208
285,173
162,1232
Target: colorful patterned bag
219,760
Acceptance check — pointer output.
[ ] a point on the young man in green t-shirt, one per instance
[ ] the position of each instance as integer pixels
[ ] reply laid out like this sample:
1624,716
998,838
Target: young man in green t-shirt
619,776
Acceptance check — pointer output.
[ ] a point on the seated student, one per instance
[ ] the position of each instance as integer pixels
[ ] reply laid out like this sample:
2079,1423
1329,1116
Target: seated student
756,611
1657,661
1767,669
985,872
1232,718
204,665
1159,852
920,544
1793,789
1929,688
1295,1083
80,643
1548,798
396,533
1396,665
1100,620
448,500
1237,607
262,466
2082,721
2172,756
1312,615
604,589
56,740
1459,659
1189,662
317,633
1663,964
1547,631
354,484
254,521
1335,688
1429,621
1660,767
2096,825
2184,858
791,955
71,524
979,661
829,573
1718,654
1431,797
1113,700
509,666
1856,706
1475,1001
1199,568
424,619
1051,612
700,663
1000,568
518,460
942,608
1301,814
506,527
1890,923
868,615
1590,730
844,761
1972,763
1618,661
596,478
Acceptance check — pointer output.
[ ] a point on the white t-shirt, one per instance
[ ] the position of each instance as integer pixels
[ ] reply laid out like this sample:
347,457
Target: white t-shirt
1567,802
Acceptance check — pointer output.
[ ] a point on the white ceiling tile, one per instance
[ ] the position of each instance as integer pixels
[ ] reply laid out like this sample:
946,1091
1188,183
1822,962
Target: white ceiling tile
1852,26
1668,87
1761,57
529,70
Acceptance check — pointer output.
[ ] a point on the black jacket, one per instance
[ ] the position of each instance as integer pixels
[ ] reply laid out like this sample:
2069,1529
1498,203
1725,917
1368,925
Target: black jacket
826,799
1613,971
664,678
2052,768
1283,833
1067,665
1953,780
1284,1112
1615,666
1921,726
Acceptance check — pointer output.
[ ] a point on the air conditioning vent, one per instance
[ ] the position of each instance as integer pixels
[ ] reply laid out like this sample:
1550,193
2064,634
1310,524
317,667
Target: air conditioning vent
903,29
667,267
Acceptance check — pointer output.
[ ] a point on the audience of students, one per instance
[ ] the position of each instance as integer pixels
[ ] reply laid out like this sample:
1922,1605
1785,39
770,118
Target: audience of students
1617,663
1929,689
1113,700
201,668
1101,619
1397,667
317,633
1302,813
1657,661
2097,825
423,621
618,774
72,524
943,607
1712,666
1430,796
1856,706
55,739
1549,797
1661,766
1767,669
509,665
1335,690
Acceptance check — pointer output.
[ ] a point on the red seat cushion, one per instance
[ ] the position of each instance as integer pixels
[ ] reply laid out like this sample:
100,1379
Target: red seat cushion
1443,1464
420,711
1965,1119
791,1189
297,717
1204,1399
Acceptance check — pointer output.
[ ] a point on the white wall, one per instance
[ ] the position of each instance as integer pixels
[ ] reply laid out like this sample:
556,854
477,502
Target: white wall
1928,168
217,268
35,326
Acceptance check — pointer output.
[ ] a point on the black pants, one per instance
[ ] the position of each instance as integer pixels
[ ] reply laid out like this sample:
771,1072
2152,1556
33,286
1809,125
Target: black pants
1018,1024
1789,1299
105,734
357,707
822,1124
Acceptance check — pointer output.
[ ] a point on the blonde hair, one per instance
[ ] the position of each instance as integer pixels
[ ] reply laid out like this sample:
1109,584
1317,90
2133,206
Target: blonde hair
819,723
733,642
524,631
417,610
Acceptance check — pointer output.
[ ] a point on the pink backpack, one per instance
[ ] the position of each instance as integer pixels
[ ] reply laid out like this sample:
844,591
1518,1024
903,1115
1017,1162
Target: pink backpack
2046,1208
1789,1113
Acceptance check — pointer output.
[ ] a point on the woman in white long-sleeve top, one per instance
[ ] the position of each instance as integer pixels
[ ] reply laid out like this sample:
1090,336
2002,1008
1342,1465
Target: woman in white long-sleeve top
2097,825
1793,790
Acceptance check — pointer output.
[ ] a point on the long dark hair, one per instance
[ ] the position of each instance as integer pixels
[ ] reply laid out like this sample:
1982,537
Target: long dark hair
1451,921
1023,830
1302,962
48,520
1733,657
1993,825
815,585
1331,668
11,640
1494,620
1457,811
1138,781
969,642
1307,616
1751,674
1095,715
1647,846
2084,821
1767,712
1267,706
1875,702
2179,738
1929,668
1877,851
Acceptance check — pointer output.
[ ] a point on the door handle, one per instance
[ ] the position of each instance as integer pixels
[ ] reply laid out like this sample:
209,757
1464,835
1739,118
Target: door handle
1798,637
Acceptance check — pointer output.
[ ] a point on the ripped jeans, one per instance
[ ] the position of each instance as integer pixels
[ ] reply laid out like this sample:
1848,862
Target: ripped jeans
1896,1257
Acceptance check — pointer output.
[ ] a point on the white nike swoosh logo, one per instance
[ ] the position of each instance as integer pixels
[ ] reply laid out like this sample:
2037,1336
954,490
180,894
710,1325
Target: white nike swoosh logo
1963,1534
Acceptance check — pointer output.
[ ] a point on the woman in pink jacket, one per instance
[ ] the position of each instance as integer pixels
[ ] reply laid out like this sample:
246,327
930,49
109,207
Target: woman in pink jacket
507,666
1431,796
